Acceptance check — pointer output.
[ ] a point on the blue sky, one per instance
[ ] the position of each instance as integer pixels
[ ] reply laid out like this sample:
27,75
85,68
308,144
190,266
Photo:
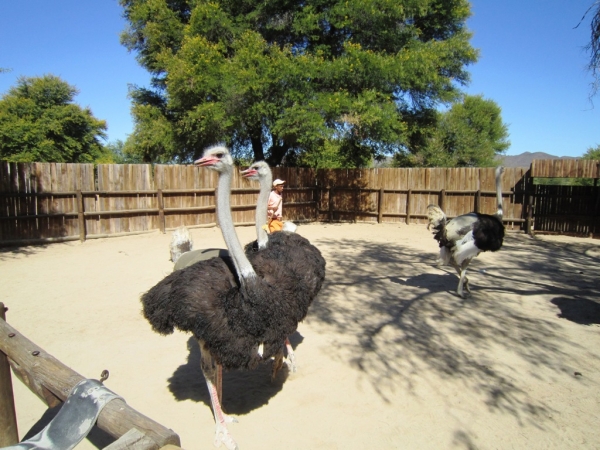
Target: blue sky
532,64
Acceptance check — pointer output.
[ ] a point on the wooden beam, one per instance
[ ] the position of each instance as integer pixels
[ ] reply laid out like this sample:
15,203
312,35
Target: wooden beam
9,434
50,380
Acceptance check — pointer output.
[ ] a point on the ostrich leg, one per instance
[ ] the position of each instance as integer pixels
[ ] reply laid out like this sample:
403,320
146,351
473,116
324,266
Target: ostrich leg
211,373
291,357
463,284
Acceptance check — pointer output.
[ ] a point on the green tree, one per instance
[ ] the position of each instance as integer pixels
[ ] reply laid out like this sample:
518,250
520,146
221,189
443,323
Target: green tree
40,123
592,153
289,81
117,154
470,134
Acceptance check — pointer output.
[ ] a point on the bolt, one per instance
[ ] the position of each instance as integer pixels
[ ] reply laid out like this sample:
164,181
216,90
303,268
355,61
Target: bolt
35,353
11,335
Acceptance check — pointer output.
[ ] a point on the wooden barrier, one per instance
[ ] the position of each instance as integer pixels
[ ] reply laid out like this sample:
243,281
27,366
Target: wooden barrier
9,434
52,381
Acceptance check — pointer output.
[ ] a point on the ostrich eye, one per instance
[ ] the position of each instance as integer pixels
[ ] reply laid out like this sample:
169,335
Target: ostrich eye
219,155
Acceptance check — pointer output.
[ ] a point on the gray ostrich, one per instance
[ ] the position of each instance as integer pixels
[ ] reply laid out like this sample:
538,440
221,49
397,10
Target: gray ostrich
240,313
463,238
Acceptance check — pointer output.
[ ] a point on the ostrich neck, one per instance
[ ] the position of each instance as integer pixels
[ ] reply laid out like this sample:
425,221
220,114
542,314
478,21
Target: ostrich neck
499,212
242,265
261,210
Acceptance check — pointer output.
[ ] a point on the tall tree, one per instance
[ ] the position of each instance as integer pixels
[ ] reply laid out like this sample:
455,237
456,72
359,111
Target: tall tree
286,80
594,45
470,134
39,122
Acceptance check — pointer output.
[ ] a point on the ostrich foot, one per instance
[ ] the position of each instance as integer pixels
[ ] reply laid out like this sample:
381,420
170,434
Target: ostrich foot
222,435
467,288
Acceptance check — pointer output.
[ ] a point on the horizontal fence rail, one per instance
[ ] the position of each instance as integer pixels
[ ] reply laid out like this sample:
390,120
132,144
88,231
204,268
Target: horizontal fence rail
52,202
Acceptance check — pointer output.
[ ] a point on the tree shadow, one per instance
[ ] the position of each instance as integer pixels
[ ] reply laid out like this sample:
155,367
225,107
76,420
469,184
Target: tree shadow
243,391
578,310
393,318
10,252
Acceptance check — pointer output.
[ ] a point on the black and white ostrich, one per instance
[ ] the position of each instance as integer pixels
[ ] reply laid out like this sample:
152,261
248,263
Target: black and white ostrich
463,238
240,313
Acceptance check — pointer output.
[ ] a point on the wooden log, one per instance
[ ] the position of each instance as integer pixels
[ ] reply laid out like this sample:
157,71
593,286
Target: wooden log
134,439
9,434
52,381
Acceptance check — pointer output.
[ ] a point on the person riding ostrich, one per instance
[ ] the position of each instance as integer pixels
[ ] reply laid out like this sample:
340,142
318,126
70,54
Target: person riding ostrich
242,313
463,238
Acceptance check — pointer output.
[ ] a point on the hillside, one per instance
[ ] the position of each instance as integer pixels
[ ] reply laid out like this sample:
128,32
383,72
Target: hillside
524,159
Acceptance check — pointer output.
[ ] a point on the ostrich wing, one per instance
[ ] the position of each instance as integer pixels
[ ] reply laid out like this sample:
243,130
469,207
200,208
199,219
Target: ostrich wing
460,226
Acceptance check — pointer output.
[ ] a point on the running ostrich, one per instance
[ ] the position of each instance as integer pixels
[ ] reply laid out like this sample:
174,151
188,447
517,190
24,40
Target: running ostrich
464,237
240,313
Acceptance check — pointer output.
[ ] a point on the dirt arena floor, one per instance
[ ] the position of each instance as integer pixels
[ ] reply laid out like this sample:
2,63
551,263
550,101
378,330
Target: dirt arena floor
388,357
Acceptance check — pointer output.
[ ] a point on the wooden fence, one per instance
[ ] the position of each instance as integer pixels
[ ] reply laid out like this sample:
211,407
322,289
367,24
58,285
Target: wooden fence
52,381
46,202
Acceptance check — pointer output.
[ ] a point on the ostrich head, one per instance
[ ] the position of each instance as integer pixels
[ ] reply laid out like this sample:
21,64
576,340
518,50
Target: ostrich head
216,158
258,171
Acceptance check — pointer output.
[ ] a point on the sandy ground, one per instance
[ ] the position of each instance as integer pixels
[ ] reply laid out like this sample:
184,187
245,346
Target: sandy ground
388,357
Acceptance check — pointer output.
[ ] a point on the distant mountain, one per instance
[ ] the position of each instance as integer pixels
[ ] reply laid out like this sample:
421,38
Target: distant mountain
524,159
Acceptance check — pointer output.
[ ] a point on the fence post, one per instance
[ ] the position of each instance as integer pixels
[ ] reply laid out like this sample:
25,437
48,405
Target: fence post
80,216
380,206
408,195
316,191
529,219
330,189
161,211
477,200
442,199
357,204
8,417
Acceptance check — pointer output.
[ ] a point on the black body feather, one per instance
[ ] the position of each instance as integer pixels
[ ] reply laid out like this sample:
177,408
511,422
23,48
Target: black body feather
206,300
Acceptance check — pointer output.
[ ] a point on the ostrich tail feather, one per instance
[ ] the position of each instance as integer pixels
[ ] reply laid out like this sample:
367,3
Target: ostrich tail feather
436,217
181,242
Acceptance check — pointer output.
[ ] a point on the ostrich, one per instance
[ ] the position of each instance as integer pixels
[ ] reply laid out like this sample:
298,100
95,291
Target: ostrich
240,313
261,172
464,237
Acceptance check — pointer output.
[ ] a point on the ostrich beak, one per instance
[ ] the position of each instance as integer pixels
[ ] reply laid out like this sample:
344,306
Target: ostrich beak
206,161
249,173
